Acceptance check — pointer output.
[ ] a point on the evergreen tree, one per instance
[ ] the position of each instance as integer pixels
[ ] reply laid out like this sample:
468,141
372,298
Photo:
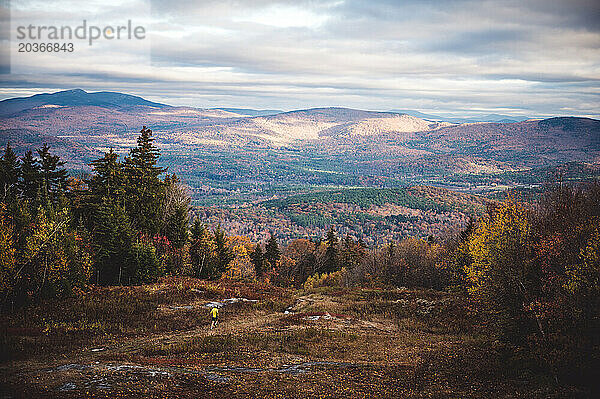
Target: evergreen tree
272,252
176,229
201,250
198,229
175,212
30,177
258,260
223,254
145,156
352,253
143,265
331,263
114,239
108,179
145,190
53,177
307,265
9,174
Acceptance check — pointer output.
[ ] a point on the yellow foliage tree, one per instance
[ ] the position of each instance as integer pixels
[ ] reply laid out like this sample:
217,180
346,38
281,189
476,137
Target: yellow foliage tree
583,278
7,252
333,279
241,266
54,261
500,275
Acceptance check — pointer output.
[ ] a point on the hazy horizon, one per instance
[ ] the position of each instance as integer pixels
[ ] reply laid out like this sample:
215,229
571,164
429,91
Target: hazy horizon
425,115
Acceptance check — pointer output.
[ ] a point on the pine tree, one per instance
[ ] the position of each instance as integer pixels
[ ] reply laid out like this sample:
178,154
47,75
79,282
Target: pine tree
258,260
53,177
223,254
9,174
176,229
29,185
198,229
272,252
145,190
114,239
201,250
145,156
143,265
108,179
352,253
175,212
331,252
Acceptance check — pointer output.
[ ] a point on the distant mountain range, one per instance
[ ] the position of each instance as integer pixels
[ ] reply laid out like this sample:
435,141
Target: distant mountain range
72,98
78,97
485,118
251,112
246,150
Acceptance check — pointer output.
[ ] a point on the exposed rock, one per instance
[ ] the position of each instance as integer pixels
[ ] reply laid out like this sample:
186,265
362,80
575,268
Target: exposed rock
229,301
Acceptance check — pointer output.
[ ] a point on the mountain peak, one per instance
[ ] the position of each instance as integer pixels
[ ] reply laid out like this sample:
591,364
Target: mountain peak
74,91
74,98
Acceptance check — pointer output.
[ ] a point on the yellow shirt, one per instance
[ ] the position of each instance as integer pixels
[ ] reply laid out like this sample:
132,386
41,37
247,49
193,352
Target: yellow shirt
214,312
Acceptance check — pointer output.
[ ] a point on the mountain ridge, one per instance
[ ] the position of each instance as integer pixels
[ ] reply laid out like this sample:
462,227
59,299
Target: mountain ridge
317,146
79,97
74,97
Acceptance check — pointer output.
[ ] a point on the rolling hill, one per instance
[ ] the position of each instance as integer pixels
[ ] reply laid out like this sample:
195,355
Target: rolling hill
235,154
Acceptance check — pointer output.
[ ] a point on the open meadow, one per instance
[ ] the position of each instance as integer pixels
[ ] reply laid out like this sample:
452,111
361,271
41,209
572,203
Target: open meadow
155,341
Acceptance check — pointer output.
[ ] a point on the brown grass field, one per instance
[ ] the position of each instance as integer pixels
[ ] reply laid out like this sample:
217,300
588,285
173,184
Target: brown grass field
155,341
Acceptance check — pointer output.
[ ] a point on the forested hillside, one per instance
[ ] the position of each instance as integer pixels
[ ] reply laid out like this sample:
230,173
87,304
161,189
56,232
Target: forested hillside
236,158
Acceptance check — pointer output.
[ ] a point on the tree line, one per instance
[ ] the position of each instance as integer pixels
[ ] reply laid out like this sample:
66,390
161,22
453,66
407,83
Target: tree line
126,222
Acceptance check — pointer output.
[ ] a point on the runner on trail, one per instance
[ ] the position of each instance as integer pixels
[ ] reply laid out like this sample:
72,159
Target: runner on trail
214,313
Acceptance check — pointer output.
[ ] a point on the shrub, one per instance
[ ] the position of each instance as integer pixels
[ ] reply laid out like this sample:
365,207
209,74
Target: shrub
333,279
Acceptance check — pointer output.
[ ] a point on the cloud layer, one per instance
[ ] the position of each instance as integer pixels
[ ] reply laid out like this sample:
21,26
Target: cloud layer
536,57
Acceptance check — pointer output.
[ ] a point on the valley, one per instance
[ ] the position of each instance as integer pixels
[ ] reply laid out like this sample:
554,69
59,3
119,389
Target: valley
238,163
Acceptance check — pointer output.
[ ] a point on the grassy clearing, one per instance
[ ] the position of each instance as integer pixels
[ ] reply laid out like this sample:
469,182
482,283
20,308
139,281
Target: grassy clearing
374,343
104,313
306,341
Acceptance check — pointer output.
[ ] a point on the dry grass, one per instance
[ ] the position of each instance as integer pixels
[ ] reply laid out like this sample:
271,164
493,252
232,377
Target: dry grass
367,343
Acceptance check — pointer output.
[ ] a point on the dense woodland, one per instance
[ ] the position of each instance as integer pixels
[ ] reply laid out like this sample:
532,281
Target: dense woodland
533,271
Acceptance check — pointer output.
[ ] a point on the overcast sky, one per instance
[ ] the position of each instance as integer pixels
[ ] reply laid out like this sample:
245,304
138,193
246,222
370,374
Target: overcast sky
454,57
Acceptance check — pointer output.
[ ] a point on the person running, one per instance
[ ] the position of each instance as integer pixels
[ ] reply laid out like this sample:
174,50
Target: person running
214,313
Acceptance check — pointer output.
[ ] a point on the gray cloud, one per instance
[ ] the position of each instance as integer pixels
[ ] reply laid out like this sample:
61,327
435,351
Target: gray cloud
486,42
535,57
